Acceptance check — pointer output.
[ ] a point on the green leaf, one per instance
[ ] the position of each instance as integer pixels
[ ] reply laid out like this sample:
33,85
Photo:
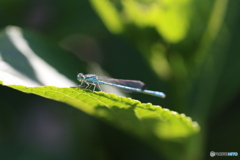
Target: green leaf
144,120
169,18
109,15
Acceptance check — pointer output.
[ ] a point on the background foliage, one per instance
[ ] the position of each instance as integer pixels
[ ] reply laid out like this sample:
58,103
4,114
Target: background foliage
187,49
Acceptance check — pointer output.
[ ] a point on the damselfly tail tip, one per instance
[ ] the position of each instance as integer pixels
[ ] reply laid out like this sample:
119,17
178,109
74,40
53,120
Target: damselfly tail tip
162,95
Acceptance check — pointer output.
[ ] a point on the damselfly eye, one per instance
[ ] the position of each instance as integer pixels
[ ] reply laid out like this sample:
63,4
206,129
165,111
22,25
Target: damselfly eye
80,77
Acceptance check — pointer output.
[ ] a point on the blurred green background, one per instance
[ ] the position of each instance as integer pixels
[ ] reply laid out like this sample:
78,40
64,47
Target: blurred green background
188,49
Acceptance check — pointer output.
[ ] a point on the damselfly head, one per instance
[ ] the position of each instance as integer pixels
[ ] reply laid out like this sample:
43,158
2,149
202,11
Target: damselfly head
80,77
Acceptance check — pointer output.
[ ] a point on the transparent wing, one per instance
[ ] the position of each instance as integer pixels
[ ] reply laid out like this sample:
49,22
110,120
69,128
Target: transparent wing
123,82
